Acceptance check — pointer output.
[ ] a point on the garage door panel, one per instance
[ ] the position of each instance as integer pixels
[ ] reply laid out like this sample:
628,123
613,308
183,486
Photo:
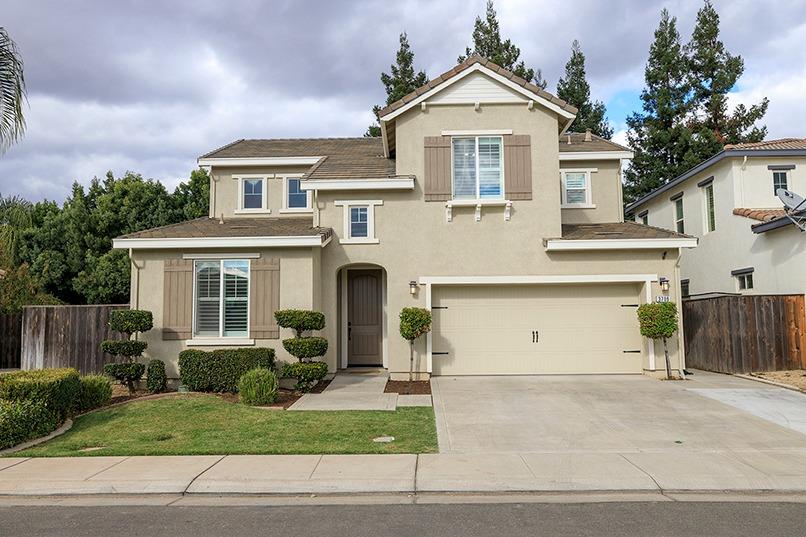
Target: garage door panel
536,329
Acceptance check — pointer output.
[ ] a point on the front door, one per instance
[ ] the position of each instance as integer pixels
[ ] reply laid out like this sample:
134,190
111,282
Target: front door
364,317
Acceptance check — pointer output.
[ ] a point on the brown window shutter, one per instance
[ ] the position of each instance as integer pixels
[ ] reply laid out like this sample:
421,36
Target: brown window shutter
437,168
517,167
177,309
264,298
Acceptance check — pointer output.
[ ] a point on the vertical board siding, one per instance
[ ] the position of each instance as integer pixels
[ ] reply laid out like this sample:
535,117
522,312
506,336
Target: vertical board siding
517,167
437,168
177,308
66,336
264,298
10,340
741,334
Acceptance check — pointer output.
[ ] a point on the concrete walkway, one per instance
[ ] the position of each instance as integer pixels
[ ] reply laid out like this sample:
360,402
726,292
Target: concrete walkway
358,390
744,471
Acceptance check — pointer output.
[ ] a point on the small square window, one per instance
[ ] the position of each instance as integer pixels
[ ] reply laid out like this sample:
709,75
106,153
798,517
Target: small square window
359,227
779,180
745,281
253,193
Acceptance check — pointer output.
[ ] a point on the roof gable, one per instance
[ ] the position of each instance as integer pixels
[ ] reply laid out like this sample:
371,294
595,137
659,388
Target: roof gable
477,87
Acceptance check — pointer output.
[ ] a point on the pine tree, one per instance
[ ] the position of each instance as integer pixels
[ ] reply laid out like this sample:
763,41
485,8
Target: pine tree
659,135
713,72
574,89
401,81
487,43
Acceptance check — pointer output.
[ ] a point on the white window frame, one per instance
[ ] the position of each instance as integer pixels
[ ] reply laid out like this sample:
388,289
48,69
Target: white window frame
264,209
588,189
743,277
200,340
709,224
286,209
478,183
786,178
643,217
347,205
682,219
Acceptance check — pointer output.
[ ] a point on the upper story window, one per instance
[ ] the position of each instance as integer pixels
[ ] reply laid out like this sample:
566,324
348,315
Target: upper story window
359,221
780,179
478,167
252,194
678,215
576,188
295,200
643,218
221,298
708,206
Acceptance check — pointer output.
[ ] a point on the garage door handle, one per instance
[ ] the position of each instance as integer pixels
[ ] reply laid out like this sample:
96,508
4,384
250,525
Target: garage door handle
637,352
439,353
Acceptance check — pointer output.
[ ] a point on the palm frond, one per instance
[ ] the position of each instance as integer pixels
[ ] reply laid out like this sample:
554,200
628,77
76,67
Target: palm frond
12,92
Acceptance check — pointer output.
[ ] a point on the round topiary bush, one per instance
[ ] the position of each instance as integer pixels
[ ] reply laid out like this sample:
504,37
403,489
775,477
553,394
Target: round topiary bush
258,387
131,321
300,320
305,348
127,322
156,379
127,373
95,392
306,373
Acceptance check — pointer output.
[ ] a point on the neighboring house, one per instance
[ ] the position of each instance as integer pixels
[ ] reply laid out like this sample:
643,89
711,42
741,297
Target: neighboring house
475,203
747,244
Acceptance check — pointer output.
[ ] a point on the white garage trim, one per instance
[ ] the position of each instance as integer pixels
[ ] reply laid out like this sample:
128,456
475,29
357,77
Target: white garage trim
429,281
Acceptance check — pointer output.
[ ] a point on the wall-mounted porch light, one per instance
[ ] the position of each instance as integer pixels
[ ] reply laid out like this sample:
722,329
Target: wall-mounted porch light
413,287
664,284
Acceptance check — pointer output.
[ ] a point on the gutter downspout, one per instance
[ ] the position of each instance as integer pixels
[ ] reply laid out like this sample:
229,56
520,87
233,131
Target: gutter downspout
681,351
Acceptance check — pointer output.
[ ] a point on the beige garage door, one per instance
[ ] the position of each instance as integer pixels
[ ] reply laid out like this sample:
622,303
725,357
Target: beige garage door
520,329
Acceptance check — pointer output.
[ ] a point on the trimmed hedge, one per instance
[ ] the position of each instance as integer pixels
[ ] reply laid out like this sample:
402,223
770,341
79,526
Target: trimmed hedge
300,320
306,373
258,387
25,420
123,347
305,348
157,380
57,389
95,392
220,370
131,321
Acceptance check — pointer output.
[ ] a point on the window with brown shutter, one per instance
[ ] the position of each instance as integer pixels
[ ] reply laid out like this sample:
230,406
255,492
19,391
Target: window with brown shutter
517,167
177,310
437,168
264,297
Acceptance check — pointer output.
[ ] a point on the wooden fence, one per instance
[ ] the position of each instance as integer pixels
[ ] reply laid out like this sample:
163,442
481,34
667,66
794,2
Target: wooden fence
10,340
740,334
66,336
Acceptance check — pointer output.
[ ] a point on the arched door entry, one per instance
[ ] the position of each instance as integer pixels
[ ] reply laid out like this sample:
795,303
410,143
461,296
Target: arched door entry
365,317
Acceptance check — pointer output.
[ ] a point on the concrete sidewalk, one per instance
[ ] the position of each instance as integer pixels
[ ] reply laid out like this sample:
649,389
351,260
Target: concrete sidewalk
683,470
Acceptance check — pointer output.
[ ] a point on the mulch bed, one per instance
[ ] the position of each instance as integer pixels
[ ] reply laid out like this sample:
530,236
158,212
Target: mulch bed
405,387
120,393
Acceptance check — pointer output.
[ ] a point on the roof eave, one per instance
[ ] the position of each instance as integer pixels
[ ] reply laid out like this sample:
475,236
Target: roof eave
776,223
162,243
557,245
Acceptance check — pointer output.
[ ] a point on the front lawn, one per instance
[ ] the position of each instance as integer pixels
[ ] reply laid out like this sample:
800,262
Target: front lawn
196,424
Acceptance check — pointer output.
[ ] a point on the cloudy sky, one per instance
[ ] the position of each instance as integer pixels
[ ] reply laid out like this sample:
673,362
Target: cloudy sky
148,86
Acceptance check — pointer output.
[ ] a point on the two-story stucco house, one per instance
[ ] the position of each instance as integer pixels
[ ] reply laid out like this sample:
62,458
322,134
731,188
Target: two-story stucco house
747,244
474,203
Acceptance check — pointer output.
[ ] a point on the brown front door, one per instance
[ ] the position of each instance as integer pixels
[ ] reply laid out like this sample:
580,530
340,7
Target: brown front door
364,317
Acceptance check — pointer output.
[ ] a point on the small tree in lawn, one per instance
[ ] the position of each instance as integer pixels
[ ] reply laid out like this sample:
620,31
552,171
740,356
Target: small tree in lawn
659,321
414,322
304,348
128,322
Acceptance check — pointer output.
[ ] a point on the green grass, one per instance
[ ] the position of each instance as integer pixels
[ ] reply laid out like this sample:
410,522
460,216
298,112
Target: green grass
196,424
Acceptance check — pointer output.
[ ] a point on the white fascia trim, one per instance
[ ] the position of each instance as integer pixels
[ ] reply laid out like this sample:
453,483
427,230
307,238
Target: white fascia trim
482,132
343,203
578,206
358,184
219,242
554,245
221,256
252,211
489,72
478,201
597,155
259,161
529,280
219,342
359,241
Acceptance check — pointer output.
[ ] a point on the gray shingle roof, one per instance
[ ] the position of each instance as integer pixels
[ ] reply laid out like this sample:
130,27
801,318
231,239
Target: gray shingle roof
578,143
234,227
617,230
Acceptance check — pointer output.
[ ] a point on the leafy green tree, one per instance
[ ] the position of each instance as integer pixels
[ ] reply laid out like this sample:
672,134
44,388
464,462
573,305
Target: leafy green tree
106,279
574,89
400,81
12,92
192,199
658,320
487,43
713,72
18,288
414,322
15,216
659,136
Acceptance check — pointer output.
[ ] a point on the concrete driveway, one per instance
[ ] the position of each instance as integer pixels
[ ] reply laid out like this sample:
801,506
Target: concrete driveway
710,412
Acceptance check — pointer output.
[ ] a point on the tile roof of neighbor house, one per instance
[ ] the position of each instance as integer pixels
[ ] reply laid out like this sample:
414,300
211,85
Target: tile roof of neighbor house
571,142
762,215
469,62
617,230
206,227
782,147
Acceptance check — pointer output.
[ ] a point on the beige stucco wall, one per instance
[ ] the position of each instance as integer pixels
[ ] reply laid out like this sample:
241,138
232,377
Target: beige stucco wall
298,267
605,193
224,189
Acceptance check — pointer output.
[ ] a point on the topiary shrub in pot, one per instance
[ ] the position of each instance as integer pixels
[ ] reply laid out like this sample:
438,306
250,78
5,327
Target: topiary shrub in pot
304,348
414,322
156,379
129,371
659,321
258,387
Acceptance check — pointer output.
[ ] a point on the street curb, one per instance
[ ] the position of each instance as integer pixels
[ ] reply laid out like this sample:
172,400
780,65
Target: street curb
66,426
770,382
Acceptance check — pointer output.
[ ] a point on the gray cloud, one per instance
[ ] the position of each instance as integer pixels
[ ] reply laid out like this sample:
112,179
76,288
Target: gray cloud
148,86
